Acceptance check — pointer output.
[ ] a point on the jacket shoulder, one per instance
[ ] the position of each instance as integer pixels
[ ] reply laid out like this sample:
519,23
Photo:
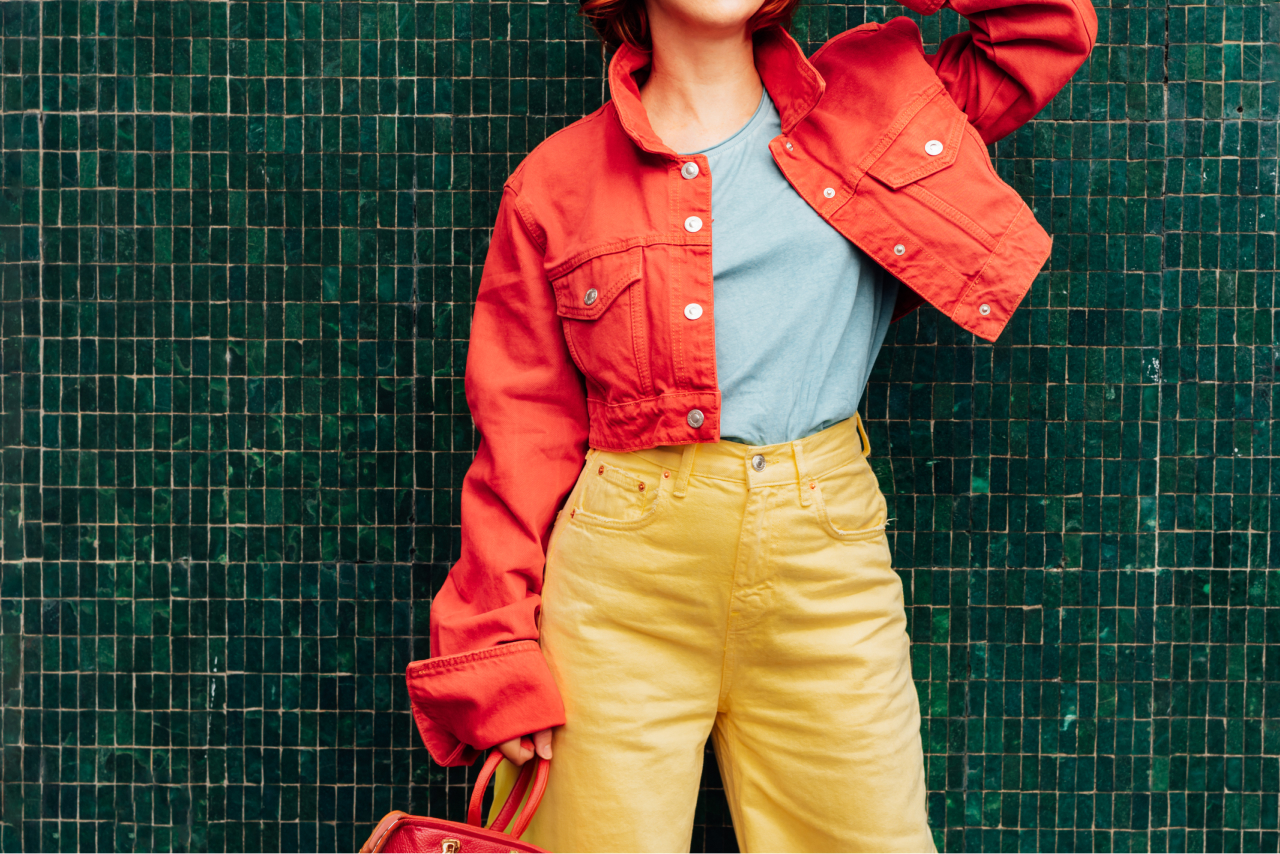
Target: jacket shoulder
854,44
562,155
883,64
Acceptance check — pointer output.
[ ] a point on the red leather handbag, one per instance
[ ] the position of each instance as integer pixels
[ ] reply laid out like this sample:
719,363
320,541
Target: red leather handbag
401,832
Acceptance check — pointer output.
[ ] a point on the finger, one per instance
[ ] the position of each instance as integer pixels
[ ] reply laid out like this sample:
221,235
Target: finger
517,750
542,743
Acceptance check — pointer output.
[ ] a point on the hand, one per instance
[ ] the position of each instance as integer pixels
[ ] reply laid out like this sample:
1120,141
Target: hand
520,750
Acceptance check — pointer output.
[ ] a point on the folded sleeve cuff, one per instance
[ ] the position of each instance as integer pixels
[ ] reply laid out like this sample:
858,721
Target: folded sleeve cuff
469,702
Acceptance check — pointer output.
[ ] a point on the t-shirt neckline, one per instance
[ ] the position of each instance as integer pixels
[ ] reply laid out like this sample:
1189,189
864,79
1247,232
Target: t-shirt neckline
741,133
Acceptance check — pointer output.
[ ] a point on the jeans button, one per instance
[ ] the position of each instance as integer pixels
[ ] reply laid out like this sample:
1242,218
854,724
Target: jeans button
757,462
695,418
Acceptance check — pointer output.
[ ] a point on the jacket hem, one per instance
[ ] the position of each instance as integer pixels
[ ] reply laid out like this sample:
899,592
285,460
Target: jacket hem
1005,280
649,422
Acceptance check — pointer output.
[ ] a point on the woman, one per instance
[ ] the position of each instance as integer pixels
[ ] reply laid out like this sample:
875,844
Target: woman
687,288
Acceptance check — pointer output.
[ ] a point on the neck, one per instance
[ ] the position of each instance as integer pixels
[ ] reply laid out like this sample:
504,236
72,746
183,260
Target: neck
702,86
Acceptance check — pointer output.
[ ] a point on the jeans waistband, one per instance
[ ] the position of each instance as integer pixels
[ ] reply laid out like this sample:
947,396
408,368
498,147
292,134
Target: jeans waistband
763,465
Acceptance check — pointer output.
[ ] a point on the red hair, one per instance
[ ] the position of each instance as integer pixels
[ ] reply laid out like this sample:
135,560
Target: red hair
618,21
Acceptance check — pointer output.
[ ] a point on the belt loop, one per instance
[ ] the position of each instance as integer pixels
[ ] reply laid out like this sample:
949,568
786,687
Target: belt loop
862,432
802,473
686,469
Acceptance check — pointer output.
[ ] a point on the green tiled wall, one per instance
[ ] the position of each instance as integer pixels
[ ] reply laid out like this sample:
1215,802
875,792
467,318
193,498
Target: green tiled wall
238,241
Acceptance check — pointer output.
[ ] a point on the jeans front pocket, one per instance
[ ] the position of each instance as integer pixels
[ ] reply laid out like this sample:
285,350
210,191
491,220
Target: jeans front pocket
849,504
613,494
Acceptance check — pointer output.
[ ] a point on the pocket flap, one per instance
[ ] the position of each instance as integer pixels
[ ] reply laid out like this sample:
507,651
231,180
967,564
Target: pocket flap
586,291
929,142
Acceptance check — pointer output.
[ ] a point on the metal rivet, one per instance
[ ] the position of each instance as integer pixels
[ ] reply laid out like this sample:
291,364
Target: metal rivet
601,470
813,485
757,462
693,223
899,249
689,170
695,418
830,193
693,311
984,309
933,148
642,486
590,296
666,474
789,145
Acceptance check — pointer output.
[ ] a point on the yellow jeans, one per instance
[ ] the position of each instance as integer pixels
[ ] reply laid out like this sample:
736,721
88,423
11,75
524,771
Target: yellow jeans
746,594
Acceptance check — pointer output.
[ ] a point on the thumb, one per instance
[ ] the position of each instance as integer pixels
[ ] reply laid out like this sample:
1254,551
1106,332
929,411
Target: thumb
542,743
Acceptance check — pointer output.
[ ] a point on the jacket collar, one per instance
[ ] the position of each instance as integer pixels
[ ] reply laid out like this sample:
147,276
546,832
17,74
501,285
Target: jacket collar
793,83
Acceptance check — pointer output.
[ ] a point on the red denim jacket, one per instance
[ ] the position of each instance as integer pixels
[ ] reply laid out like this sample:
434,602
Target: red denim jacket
604,234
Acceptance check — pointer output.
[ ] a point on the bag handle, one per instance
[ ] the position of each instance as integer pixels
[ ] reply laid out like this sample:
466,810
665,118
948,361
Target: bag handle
535,770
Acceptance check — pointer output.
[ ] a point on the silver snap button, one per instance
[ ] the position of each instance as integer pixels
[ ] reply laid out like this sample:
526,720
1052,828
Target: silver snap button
899,249
984,309
695,418
789,145
689,170
830,193
693,223
693,311
590,296
757,462
933,148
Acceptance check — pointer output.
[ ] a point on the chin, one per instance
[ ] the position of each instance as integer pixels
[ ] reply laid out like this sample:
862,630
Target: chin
712,15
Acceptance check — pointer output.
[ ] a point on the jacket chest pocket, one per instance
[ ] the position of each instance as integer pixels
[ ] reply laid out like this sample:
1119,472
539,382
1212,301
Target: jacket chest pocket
601,306
915,164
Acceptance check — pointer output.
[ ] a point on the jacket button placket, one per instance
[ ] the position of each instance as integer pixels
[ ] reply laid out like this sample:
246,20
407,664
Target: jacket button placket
694,189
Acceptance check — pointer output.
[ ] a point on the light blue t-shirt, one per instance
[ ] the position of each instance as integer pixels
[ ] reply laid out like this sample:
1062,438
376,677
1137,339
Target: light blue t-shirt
800,312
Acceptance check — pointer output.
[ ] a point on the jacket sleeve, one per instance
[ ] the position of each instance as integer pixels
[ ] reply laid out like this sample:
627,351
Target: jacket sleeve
1015,57
487,680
